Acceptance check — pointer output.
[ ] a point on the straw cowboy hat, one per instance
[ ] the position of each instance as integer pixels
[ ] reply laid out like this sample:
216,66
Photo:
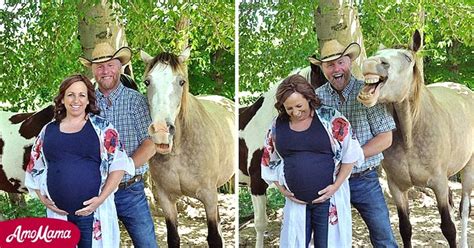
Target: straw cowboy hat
333,50
104,52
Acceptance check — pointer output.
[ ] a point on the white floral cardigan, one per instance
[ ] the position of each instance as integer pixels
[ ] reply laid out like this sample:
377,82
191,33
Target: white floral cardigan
346,149
113,157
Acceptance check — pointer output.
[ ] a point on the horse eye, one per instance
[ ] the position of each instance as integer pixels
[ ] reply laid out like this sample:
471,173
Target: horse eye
147,82
407,58
181,82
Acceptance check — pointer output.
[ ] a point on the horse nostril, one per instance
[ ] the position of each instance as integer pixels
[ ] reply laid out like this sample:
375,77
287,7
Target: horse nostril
151,129
171,129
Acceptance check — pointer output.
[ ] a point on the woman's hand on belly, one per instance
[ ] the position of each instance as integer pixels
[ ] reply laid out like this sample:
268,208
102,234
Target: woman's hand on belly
50,204
91,205
343,171
326,193
288,194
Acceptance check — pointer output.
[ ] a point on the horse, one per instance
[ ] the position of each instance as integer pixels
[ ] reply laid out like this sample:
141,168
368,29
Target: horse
253,121
194,140
434,138
17,134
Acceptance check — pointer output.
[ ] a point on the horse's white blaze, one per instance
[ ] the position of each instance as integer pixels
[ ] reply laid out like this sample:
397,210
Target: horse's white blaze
11,160
164,96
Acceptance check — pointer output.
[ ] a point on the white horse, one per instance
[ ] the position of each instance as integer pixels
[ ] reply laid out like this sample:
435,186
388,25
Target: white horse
434,138
194,139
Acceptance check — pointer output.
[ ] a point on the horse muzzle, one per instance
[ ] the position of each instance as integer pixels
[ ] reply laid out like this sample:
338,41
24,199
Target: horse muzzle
161,134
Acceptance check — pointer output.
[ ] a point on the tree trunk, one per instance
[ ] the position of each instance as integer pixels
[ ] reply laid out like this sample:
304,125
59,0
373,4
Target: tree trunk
339,20
215,74
98,23
182,27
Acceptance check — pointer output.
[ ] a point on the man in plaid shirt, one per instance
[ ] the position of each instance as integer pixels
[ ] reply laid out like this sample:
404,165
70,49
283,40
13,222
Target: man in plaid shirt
373,128
128,111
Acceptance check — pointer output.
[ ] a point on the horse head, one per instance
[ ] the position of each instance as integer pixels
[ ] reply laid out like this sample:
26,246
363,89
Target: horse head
391,75
166,79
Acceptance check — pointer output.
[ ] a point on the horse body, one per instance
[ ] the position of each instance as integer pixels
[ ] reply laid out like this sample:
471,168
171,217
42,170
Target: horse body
17,135
434,138
194,138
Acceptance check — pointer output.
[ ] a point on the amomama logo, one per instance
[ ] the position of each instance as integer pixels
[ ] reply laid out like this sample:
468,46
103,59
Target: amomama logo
38,232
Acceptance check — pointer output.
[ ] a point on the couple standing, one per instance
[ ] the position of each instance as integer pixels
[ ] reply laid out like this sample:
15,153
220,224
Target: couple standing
79,167
319,165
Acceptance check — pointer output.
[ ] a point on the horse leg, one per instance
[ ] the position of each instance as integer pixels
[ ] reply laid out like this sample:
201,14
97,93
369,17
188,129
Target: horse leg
259,203
170,213
441,191
401,201
258,189
465,205
209,199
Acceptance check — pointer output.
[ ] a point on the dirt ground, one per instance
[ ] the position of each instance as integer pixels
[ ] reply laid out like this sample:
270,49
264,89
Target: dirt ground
192,225
424,218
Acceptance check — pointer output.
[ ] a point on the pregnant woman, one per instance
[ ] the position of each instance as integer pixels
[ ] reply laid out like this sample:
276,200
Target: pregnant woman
76,164
309,154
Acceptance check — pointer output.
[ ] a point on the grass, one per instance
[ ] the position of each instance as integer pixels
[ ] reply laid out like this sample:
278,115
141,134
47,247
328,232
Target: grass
29,208
275,201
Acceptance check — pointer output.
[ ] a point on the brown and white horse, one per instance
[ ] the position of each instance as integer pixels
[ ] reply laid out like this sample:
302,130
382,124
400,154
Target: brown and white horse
434,138
194,139
17,133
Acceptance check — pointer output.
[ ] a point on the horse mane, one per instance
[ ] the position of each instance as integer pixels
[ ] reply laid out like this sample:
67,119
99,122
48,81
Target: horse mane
418,83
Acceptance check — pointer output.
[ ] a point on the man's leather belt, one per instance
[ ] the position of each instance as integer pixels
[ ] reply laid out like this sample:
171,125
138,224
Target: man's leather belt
362,173
132,180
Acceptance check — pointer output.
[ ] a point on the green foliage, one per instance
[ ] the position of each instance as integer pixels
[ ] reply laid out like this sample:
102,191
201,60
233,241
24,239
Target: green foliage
228,187
37,47
274,39
245,203
32,208
40,46
447,27
275,201
151,26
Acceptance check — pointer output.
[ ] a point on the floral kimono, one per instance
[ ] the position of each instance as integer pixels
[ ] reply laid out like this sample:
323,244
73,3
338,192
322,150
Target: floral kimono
113,157
346,149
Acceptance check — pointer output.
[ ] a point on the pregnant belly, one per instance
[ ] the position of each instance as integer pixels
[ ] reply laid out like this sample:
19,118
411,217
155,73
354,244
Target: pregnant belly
306,177
70,185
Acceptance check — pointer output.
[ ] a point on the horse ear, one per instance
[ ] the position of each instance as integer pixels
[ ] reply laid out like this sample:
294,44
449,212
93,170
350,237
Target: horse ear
416,41
381,46
313,61
145,57
184,54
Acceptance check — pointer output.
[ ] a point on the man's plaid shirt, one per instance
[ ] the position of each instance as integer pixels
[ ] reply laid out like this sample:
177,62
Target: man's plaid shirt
128,111
366,122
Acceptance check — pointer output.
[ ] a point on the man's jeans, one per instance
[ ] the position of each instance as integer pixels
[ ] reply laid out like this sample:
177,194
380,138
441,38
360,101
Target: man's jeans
367,197
133,211
317,217
84,223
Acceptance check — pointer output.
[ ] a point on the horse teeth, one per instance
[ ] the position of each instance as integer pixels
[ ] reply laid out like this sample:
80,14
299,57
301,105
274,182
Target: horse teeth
371,80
